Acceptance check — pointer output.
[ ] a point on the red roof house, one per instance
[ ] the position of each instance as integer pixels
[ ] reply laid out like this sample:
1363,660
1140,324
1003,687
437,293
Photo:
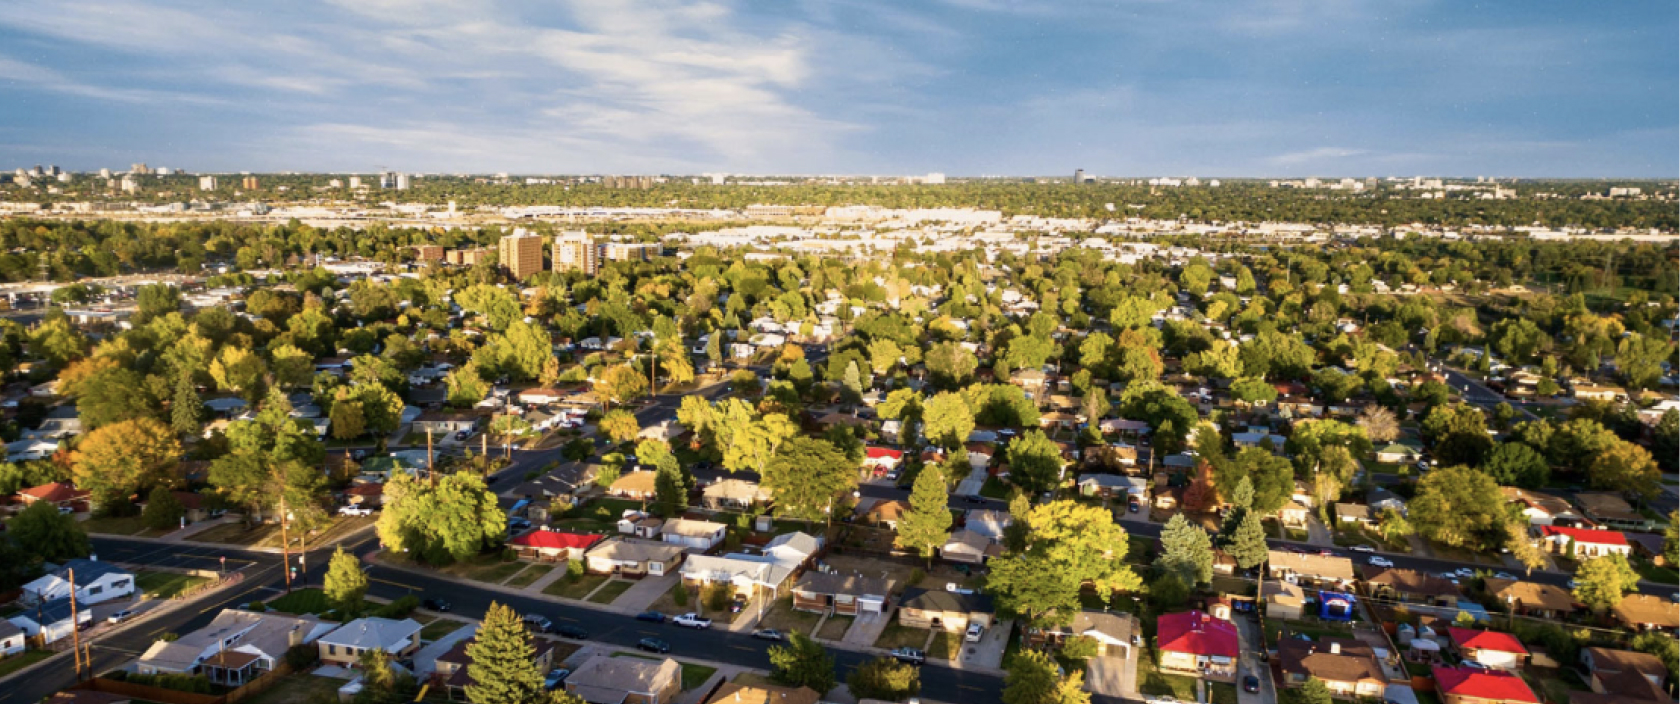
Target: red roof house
551,545
1465,685
1584,543
882,457
1195,642
55,493
1490,648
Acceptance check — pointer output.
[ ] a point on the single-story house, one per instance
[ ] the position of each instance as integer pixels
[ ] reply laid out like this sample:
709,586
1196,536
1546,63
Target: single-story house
1610,510
1308,570
1293,514
1409,586
1642,612
1398,453
882,459
1113,632
632,557
95,582
446,422
345,645
1543,509
58,494
1467,685
945,610
541,396
843,594
1283,600
50,620
608,680
734,495
544,545
635,485
1545,601
237,647
988,523
1633,675
735,693
699,535
12,639
883,512
1110,485
970,547
1380,499
1353,514
1196,643
26,450
1348,667
1491,648
1581,543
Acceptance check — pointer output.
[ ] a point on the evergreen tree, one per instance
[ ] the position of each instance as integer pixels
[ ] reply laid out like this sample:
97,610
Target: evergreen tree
802,663
503,666
853,380
927,525
670,493
1186,551
187,409
346,583
1247,544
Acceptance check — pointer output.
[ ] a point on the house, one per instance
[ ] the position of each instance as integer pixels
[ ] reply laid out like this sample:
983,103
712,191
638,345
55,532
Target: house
794,550
749,575
698,535
26,450
58,494
541,396
1467,685
1380,499
1111,485
1491,648
1397,453
446,422
237,647
12,639
988,523
1610,510
544,545
734,495
1544,509
453,673
365,494
641,524
95,582
1581,543
633,558
664,430
1293,514
881,459
1348,667
1353,515
1643,612
1625,673
1196,643
1114,633
635,485
945,610
843,594
1309,570
1544,601
345,645
61,422
608,680
1409,586
883,512
970,547
50,620
735,693
1283,600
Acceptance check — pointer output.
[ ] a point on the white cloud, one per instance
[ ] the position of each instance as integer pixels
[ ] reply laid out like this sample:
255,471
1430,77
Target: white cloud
1318,155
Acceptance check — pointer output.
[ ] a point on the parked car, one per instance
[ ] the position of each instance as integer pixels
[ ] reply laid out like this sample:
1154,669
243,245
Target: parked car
1327,552
692,620
556,678
354,511
651,617
738,604
1133,505
1362,548
121,616
438,605
653,645
518,524
1378,561
574,632
768,634
538,623
463,435
975,631
1251,684
909,656
1464,572
1504,575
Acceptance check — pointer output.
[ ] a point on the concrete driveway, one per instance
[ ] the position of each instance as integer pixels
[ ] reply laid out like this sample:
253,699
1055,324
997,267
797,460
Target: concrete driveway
644,592
1112,677
1249,664
986,653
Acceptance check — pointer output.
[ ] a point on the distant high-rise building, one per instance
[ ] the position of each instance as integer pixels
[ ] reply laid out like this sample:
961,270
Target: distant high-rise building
164,171
104,173
140,169
355,182
63,177
248,183
335,183
521,254
577,251
207,183
1078,175
466,257
129,185
628,251
717,179
934,179
37,171
428,252
53,170
402,182
387,179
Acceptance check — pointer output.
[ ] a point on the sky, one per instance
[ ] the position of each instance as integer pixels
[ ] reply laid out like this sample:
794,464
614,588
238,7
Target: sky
1243,88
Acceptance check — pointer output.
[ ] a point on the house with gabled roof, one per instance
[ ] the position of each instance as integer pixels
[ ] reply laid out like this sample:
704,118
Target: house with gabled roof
1491,648
1547,601
842,594
1625,673
1646,612
608,680
1196,643
344,646
1467,685
1582,544
544,545
95,582
1348,667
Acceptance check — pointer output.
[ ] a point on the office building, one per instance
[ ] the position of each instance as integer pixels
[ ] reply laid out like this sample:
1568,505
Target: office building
428,252
466,257
934,179
1078,175
387,179
355,182
577,251
140,169
104,173
629,251
248,183
521,254
402,182
207,183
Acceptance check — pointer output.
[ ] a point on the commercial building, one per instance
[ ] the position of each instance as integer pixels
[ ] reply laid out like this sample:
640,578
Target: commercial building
207,183
249,183
521,254
428,252
577,251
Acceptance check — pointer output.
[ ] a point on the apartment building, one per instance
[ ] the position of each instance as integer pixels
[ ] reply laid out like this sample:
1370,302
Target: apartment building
577,251
521,254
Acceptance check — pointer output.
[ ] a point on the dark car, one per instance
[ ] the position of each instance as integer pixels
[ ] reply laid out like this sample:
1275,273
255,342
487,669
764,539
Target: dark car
1251,684
573,632
462,435
767,634
651,617
910,656
653,645
738,605
556,678
435,605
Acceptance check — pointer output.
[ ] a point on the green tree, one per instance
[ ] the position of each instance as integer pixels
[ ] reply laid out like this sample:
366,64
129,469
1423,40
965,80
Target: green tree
1517,464
440,525
1314,691
1066,546
1186,551
751,443
1627,468
498,305
1459,507
619,425
1033,677
1601,582
1671,539
884,679
466,387
163,511
1035,462
802,663
927,525
1248,543
947,420
345,583
1458,434
621,383
348,420
186,409
293,367
528,348
808,476
503,667
117,460
41,531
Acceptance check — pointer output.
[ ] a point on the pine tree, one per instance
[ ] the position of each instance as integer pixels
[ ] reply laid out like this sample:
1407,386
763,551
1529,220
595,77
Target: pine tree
187,409
927,525
1248,543
853,380
670,493
346,583
1186,551
503,669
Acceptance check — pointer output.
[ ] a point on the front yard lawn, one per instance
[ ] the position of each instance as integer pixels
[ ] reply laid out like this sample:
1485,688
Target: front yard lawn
530,575
22,660
782,617
900,636
569,589
944,646
485,568
994,488
835,627
440,628
117,525
1664,575
301,601
1221,693
165,585
612,590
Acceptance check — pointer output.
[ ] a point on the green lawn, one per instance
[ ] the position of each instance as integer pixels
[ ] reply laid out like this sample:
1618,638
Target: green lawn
530,575
900,636
439,628
611,591
165,585
575,590
24,659
1221,693
944,646
301,601
114,525
1664,575
994,488
485,568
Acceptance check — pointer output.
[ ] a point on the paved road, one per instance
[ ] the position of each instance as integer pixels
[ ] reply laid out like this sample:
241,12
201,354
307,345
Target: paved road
1478,393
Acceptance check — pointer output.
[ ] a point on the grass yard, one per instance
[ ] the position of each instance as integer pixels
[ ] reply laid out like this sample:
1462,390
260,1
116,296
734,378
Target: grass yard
835,627
782,617
899,636
612,590
530,575
236,533
165,585
301,601
1443,552
995,488
22,660
1221,693
440,628
1664,575
119,525
945,646
575,590
301,689
485,568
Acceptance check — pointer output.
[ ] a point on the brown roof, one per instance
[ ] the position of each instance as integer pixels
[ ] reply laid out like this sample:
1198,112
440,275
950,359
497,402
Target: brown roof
853,584
1639,609
1312,565
1611,660
232,659
1409,581
1531,595
639,482
1354,663
733,693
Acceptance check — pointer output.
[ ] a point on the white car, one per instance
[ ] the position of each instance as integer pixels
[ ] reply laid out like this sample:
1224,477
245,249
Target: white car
355,511
692,620
1379,561
1362,548
1464,572
974,633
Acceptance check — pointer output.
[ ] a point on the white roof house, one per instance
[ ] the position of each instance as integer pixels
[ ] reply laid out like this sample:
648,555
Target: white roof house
263,636
95,582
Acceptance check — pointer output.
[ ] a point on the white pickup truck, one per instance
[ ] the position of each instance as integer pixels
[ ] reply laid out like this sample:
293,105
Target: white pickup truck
692,620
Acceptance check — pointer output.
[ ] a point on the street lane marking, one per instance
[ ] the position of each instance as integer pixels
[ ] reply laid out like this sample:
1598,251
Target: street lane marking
970,686
742,647
394,584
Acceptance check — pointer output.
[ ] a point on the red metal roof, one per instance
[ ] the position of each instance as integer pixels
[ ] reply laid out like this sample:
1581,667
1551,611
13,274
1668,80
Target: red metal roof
555,540
1486,640
1493,685
1197,633
879,452
1582,535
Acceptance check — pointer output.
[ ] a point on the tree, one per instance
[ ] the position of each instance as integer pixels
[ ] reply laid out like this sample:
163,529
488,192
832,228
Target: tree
466,387
1314,691
1521,547
156,300
41,531
528,348
1201,495
345,584
1379,424
498,305
163,510
238,370
884,679
1393,525
1458,433
803,662
927,525
440,525
1517,464
1601,582
1247,544
950,365
807,475
348,420
1671,539
1033,678
1035,462
620,425
292,366
1627,468
503,668
381,683
947,420
117,460
901,403
621,383
186,409
1253,390
1459,507
1186,551
1066,545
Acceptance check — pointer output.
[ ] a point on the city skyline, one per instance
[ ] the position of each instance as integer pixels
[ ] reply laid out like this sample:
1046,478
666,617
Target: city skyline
967,88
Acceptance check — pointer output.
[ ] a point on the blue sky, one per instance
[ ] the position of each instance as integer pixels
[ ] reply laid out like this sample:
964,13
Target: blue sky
965,87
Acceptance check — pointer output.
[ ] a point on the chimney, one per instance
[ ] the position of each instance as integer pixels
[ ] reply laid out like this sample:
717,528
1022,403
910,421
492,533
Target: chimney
1335,648
294,638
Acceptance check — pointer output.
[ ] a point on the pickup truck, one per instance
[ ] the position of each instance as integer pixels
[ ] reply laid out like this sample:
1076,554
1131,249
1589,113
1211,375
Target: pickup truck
692,620
355,511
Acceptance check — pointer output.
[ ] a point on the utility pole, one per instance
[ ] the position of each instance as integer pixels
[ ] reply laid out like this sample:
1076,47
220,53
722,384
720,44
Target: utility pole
75,626
285,545
431,463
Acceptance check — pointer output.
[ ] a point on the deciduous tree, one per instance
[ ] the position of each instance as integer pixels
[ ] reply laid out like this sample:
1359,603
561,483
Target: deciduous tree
117,460
346,583
1601,582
